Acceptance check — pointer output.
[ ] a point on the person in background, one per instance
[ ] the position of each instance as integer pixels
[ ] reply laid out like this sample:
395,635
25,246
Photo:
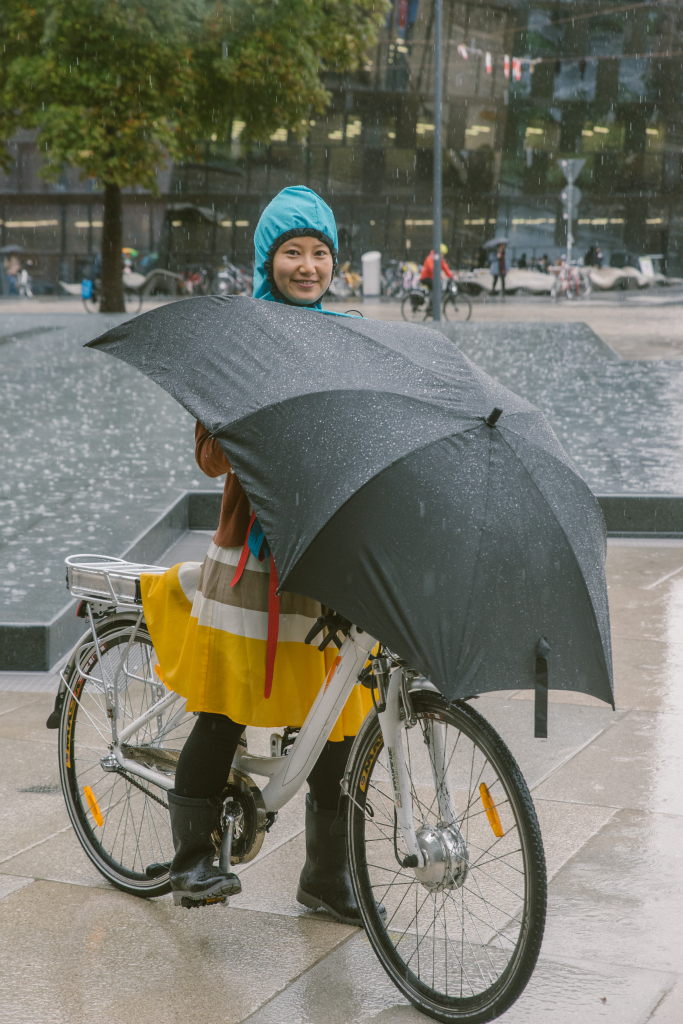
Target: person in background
427,272
498,268
24,280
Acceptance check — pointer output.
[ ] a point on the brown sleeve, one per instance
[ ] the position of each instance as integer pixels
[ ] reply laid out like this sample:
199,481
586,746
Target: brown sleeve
210,457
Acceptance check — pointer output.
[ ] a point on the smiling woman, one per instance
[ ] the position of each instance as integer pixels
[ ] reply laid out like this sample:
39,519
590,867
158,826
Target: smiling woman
296,248
302,269
232,644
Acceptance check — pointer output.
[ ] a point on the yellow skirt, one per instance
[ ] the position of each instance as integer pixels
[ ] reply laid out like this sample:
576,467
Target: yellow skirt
210,639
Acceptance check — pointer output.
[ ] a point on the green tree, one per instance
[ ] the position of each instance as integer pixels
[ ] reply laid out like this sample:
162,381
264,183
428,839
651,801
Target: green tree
118,87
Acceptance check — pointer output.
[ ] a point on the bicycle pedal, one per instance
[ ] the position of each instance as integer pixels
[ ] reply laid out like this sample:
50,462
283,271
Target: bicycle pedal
206,901
157,870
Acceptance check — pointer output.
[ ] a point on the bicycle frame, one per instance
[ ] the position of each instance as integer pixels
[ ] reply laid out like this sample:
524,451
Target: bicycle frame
286,774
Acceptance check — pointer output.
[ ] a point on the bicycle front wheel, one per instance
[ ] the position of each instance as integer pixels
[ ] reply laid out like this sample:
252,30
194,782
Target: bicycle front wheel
457,307
415,307
461,934
120,820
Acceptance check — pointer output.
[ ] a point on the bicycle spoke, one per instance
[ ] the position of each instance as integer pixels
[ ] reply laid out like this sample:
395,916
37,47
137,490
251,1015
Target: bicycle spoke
120,819
461,933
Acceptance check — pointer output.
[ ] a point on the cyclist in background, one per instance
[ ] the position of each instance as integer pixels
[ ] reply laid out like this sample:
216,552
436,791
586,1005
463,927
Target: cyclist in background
427,272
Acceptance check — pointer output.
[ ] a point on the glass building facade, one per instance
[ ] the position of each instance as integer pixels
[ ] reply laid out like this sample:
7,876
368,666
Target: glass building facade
525,86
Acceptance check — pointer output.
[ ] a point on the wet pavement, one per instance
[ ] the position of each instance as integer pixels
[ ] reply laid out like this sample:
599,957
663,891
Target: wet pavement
607,790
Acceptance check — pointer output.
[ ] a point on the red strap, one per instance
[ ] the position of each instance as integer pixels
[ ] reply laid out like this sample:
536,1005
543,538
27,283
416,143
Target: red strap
244,556
273,607
273,627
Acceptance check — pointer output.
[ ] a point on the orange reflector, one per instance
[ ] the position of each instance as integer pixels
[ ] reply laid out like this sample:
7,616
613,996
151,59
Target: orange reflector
491,811
333,668
93,805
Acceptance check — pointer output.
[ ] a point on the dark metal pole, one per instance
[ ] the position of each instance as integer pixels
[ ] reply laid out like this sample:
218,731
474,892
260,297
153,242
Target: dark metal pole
436,280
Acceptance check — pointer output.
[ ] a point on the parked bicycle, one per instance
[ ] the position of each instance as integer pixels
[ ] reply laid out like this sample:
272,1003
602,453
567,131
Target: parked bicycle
416,306
231,280
399,277
444,845
571,282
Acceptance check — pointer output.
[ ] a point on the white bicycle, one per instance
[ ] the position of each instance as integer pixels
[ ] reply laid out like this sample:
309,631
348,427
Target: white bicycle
440,826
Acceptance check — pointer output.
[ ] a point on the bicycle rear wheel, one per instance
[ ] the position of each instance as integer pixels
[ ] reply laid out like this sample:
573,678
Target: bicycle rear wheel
415,306
461,935
457,307
120,820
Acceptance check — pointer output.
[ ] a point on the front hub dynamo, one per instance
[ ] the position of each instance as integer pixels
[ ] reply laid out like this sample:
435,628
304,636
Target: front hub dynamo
446,860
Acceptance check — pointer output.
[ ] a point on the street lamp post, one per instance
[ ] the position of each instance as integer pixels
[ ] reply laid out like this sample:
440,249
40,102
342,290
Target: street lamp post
436,278
571,196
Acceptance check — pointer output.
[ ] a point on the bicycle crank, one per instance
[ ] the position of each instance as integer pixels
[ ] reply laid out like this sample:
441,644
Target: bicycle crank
243,818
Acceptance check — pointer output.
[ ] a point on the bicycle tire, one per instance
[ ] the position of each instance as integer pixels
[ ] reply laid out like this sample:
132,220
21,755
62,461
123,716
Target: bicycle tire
496,918
457,307
134,831
415,306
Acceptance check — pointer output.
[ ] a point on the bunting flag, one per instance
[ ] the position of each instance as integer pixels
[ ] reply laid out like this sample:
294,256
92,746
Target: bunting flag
515,66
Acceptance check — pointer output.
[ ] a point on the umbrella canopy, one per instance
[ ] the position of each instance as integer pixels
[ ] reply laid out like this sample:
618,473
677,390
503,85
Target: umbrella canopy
493,243
392,488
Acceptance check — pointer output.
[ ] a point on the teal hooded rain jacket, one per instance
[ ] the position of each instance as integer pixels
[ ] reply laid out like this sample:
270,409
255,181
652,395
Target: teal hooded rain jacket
294,207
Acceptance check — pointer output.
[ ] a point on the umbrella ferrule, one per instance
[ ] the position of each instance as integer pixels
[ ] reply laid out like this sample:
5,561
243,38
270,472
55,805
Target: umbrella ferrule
493,417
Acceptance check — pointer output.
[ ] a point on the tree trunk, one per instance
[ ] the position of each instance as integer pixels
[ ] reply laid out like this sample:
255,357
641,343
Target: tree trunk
112,241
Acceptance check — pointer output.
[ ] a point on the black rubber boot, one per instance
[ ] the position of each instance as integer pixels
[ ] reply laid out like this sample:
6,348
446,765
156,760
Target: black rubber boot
195,880
325,882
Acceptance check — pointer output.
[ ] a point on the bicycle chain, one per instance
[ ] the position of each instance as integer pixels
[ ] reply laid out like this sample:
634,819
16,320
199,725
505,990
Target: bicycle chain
143,789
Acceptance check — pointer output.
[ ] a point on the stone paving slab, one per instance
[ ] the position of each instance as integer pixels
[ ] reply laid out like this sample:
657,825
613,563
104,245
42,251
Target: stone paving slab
638,763
560,991
622,887
605,789
162,963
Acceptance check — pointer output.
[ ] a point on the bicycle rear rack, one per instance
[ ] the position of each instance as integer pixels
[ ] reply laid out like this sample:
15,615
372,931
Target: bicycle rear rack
106,579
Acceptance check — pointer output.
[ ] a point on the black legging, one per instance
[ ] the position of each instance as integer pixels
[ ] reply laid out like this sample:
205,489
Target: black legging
209,750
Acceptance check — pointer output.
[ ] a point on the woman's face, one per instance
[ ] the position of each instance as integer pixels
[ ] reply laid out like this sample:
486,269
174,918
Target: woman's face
302,269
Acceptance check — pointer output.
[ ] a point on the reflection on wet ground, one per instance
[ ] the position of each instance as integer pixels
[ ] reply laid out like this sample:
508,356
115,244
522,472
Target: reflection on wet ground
95,453
621,420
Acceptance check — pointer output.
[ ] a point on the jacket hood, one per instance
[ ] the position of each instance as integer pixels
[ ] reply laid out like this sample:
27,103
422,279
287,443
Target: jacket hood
294,207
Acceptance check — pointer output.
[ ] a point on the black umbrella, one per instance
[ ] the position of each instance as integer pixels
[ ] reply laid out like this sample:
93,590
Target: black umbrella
393,489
